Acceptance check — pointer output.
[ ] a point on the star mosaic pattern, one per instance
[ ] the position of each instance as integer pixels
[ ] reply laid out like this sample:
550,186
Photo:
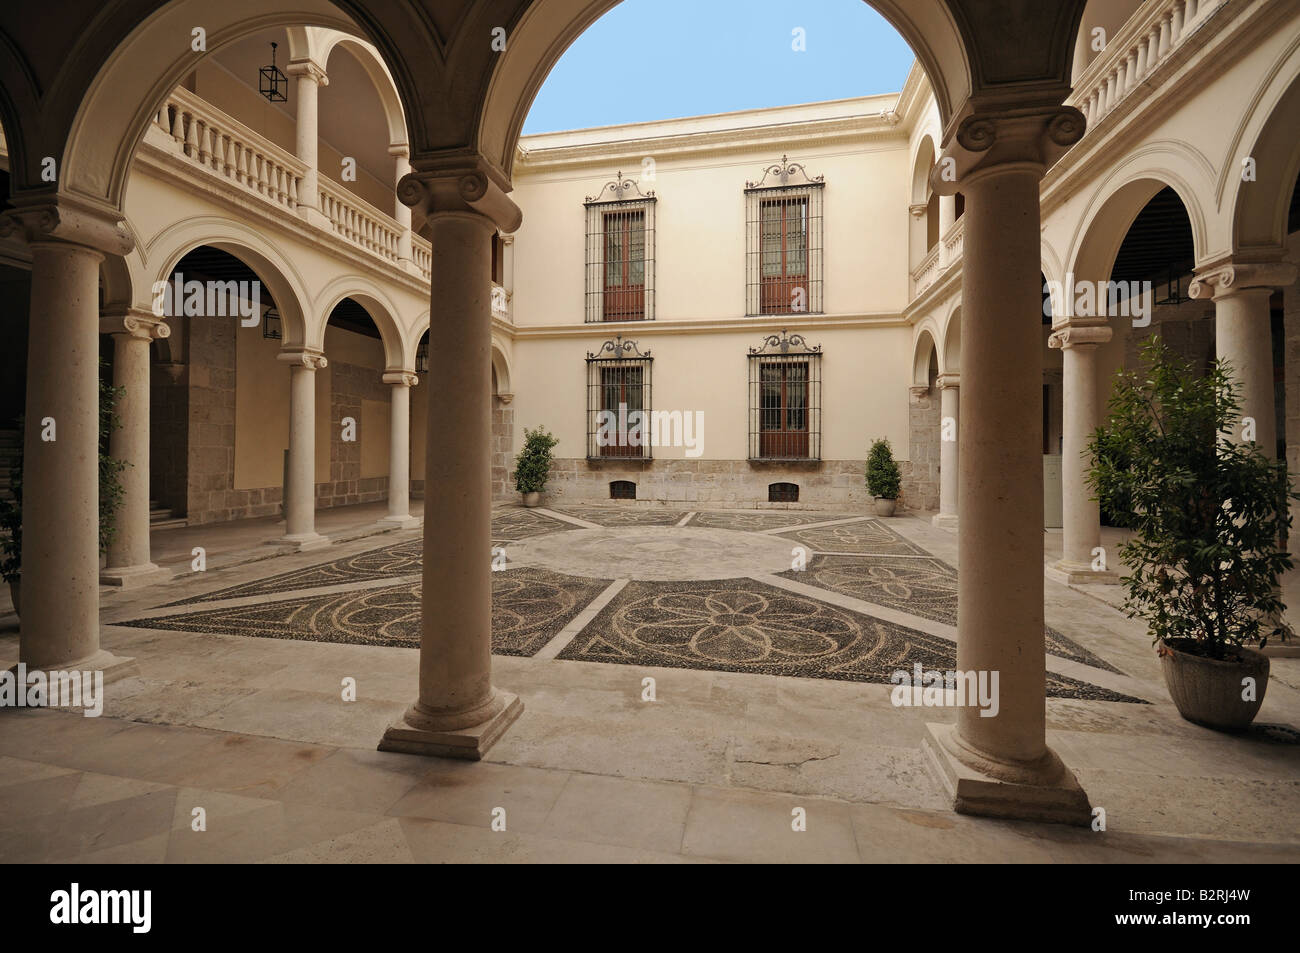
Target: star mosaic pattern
921,587
529,608
864,536
742,625
622,515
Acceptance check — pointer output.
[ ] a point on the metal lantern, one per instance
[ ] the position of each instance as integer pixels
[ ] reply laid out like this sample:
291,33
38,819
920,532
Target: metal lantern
272,83
271,324
422,356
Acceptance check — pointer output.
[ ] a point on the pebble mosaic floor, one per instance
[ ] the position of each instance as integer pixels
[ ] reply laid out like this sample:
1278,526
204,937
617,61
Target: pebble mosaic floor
754,623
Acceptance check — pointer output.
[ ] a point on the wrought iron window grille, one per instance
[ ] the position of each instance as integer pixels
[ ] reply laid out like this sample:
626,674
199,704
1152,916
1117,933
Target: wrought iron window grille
618,402
784,241
785,408
620,257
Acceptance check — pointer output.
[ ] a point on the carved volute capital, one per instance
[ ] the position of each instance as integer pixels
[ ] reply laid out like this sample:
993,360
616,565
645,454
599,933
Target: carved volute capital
403,377
1233,277
1034,138
463,189
303,357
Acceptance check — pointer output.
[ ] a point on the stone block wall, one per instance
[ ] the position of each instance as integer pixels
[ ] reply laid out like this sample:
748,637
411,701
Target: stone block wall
722,483
503,464
921,471
350,384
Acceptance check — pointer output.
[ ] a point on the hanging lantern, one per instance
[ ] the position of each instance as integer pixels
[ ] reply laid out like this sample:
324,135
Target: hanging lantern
271,324
422,356
272,83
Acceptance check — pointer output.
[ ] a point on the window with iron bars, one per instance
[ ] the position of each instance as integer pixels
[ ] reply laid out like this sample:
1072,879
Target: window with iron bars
783,241
620,253
785,389
618,402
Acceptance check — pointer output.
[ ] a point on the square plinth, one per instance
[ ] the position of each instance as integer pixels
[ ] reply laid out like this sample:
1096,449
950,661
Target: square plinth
469,744
973,792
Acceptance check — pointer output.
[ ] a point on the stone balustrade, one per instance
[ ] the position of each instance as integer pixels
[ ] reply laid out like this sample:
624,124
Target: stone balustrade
1138,50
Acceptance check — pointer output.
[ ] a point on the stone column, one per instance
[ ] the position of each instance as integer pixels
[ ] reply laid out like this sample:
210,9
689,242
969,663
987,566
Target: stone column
948,455
1080,513
458,713
1243,337
129,563
310,77
60,548
1000,765
401,211
300,514
947,217
399,449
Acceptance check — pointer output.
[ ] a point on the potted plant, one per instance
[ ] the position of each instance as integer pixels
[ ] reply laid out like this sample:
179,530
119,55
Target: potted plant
883,477
110,497
1207,513
533,464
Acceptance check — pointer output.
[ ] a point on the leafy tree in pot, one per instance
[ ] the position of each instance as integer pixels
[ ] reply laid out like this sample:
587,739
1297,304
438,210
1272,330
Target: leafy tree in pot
533,462
883,476
1208,512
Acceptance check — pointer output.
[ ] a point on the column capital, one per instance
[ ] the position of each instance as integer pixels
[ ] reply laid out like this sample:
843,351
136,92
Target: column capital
458,188
303,357
1229,277
1073,335
403,377
505,398
44,218
951,379
139,323
917,209
309,68
399,150
919,390
1033,137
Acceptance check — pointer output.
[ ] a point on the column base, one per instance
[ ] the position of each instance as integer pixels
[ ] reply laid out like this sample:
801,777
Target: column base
301,542
946,521
114,667
1047,792
134,577
469,744
400,522
1073,574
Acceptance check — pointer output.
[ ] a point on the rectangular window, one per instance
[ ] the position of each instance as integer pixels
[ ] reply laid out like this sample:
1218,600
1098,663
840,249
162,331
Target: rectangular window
618,402
785,400
784,269
620,261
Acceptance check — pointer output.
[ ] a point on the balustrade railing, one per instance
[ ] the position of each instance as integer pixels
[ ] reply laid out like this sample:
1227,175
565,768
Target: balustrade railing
1132,55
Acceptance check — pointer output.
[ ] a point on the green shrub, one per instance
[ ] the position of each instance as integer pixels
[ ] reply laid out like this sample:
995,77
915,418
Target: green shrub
1208,512
883,477
533,463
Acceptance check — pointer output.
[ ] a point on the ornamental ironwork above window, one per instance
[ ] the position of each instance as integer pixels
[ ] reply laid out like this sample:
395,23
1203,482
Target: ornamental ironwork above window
783,241
618,402
620,253
785,390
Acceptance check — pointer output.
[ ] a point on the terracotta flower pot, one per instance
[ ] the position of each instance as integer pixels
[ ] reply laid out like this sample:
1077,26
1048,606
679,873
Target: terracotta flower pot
885,507
532,499
1209,692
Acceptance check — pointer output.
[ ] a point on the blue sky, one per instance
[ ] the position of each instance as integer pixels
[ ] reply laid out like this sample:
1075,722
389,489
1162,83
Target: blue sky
663,59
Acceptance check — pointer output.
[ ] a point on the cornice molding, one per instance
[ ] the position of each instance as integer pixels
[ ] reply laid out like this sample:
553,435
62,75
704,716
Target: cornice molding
765,324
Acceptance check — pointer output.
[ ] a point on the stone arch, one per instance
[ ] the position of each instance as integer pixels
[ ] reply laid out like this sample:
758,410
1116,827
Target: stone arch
923,346
921,223
540,37
950,353
161,255
1267,133
107,116
501,369
1124,194
377,304
380,77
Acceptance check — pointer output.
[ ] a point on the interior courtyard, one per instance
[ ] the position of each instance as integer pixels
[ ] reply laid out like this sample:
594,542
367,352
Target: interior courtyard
327,324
